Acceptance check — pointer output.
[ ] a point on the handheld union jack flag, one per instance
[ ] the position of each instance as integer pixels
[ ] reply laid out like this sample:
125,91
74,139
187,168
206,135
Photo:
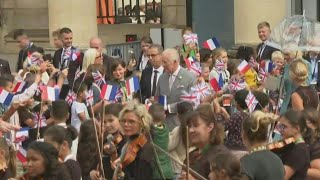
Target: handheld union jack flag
40,120
98,78
202,90
89,98
236,84
193,66
220,66
33,60
251,102
262,74
190,38
71,97
193,99
119,95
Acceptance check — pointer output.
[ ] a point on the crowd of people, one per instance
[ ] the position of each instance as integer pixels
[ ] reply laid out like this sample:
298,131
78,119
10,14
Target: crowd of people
178,113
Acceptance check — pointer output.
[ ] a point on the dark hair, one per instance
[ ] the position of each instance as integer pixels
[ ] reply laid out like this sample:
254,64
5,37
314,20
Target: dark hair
240,98
256,126
87,154
157,112
35,49
146,39
19,32
113,109
65,30
296,118
116,63
313,116
157,46
53,168
5,80
59,134
245,52
229,163
59,110
262,98
205,54
10,156
184,107
79,87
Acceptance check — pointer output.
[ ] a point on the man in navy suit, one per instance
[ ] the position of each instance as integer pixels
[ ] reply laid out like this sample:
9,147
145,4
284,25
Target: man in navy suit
151,74
67,57
264,51
313,58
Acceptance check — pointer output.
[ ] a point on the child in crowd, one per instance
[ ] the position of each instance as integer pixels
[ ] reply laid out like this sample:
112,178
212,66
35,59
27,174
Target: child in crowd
79,111
279,62
160,136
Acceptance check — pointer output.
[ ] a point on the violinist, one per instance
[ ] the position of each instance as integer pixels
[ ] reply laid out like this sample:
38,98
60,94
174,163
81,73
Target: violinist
207,136
296,159
113,140
260,163
136,158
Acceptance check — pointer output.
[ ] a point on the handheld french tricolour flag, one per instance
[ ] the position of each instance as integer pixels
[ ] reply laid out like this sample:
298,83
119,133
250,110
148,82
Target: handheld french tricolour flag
132,85
211,44
163,100
20,86
50,93
5,97
109,92
244,67
215,85
267,66
22,155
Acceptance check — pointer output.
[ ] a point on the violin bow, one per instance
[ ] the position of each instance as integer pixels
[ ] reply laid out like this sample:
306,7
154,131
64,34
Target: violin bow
193,172
97,141
187,153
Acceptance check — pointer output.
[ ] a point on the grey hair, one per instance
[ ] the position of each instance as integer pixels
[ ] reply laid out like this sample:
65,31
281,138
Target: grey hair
172,54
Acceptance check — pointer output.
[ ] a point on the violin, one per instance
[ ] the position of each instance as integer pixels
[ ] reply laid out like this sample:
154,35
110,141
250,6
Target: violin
130,153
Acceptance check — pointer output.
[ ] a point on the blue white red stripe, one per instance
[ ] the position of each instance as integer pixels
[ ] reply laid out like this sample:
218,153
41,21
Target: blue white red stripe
109,92
20,86
211,44
132,85
5,97
50,93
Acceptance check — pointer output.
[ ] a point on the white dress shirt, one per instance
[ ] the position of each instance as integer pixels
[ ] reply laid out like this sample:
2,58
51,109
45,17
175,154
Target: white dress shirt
143,63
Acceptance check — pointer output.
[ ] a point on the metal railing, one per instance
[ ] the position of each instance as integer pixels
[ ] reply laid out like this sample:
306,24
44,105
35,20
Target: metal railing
129,11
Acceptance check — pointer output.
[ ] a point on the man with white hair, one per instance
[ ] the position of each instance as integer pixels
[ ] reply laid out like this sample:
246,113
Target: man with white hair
96,43
172,83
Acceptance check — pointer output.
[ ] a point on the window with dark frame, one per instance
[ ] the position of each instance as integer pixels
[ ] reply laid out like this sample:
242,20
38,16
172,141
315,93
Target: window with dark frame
129,11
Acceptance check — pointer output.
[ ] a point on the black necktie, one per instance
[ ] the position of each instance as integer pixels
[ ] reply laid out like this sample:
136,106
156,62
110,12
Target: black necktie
318,80
154,85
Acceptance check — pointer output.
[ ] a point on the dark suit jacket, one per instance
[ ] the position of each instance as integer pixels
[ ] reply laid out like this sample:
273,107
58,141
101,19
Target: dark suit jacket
4,67
266,54
23,53
307,57
73,65
145,83
107,62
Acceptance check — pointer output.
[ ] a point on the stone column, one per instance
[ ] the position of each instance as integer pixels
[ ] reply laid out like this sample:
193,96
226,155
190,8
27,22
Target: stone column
78,15
248,13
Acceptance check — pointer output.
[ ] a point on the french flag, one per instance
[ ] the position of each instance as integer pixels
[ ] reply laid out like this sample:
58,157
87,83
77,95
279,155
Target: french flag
189,61
19,87
244,67
109,92
267,66
162,99
5,97
132,85
22,155
50,93
215,85
211,44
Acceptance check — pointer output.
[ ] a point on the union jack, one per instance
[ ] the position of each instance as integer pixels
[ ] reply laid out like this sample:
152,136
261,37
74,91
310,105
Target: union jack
193,99
201,90
89,98
70,97
66,54
98,78
236,84
220,66
119,95
190,38
33,60
262,74
39,120
251,102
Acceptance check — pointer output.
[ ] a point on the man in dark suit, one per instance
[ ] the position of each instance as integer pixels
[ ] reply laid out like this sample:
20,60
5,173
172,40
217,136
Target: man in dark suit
96,43
172,83
314,59
24,44
67,57
4,67
150,75
264,51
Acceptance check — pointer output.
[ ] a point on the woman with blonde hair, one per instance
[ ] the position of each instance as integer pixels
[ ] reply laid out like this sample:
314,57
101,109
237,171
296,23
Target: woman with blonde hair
91,56
304,96
260,163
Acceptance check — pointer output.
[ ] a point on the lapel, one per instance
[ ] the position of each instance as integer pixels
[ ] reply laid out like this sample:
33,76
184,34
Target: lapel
177,81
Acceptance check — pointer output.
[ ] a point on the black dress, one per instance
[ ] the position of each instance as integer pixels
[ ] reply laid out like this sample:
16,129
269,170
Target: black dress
309,95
